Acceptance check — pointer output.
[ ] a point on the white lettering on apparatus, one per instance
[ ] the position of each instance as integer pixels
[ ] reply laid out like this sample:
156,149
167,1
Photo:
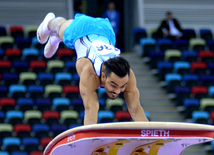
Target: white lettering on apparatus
70,138
155,133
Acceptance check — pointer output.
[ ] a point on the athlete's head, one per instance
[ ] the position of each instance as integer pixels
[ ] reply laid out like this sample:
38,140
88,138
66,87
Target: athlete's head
115,76
168,15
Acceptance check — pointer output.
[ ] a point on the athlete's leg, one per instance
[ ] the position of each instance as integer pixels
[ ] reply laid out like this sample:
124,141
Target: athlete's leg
53,27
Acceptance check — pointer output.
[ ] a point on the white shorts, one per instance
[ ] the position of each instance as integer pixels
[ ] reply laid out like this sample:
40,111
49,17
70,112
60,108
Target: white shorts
83,44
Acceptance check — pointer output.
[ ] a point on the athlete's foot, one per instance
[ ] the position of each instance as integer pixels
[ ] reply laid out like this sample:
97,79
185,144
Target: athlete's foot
52,45
43,32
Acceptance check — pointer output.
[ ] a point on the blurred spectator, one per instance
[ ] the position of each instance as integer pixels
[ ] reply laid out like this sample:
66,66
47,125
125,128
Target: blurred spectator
169,28
113,16
77,7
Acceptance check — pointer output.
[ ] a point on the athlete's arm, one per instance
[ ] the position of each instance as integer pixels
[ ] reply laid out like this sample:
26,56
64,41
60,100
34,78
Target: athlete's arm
132,96
88,86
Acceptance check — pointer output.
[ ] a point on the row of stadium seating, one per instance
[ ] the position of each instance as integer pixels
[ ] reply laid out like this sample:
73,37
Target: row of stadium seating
39,97
140,33
185,69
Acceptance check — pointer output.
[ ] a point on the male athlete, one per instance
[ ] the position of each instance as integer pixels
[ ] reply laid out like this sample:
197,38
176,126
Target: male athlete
98,62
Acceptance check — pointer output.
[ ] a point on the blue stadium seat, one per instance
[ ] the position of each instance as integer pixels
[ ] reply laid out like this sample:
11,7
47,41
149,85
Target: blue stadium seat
41,130
210,44
63,78
82,115
211,91
70,67
102,103
1,54
11,144
35,44
212,145
181,94
10,78
164,44
190,105
76,79
172,81
17,91
147,115
189,56
23,43
102,93
3,91
74,126
35,91
14,117
163,69
105,116
20,66
206,34
207,80
61,104
34,41
181,44
45,78
43,104
58,128
3,31
190,80
29,54
147,44
2,116
211,68
182,67
19,153
155,57
4,153
25,104
77,104
139,33
201,117
30,144
189,33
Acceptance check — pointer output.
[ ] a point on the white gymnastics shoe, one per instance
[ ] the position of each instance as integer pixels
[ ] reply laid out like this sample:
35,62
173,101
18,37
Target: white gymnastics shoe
52,45
43,32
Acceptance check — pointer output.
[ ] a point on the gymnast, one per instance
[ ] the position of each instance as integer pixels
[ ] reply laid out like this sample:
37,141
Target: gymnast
98,64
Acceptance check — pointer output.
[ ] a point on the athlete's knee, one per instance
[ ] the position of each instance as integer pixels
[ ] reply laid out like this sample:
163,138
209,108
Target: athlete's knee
56,23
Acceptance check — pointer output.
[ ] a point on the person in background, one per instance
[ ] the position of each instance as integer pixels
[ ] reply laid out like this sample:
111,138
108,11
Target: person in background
77,7
170,27
113,16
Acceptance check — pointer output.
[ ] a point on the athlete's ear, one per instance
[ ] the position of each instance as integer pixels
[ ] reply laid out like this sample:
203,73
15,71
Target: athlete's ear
103,76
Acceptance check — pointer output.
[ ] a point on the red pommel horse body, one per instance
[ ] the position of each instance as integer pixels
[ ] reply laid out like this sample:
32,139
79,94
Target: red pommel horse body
130,138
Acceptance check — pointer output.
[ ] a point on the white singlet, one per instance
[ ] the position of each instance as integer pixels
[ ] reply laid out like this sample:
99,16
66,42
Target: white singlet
96,48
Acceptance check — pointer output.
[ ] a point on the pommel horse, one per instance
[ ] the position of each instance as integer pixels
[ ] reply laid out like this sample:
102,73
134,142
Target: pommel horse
130,138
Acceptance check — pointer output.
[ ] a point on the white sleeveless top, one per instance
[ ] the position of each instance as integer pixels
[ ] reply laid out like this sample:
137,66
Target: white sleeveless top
97,49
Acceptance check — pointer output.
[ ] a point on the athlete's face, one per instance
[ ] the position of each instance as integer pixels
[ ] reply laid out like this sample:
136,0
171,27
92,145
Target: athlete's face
114,85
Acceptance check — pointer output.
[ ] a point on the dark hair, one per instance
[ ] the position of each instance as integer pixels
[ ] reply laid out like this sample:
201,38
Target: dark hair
117,65
168,13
